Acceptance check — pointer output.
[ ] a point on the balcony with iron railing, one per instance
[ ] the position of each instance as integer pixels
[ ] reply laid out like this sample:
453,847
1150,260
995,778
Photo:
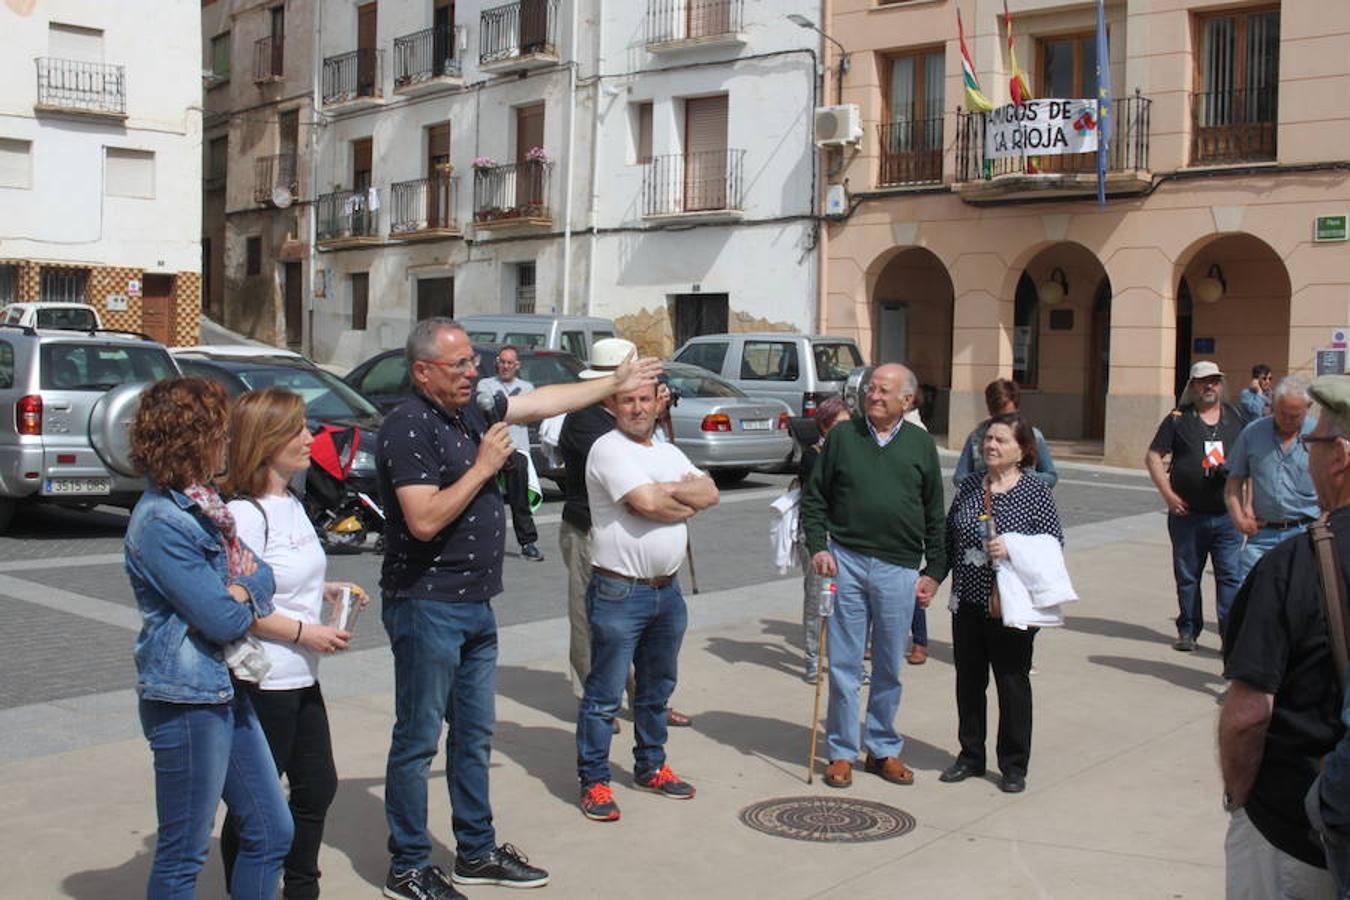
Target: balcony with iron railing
676,24
348,218
705,185
424,209
518,36
428,60
1234,126
272,172
980,177
81,88
354,79
911,152
515,194
269,59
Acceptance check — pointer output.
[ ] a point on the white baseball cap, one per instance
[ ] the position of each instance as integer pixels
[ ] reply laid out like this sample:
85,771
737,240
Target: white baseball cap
606,356
1205,369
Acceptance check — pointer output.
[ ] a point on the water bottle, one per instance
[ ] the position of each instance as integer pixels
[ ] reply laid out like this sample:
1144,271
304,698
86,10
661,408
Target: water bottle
828,588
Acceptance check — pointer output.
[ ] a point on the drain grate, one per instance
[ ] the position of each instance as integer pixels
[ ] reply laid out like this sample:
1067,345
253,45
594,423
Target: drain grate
827,820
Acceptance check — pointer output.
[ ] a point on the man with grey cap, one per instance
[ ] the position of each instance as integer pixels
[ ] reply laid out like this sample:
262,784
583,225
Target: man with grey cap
1282,714
581,429
1197,436
1269,492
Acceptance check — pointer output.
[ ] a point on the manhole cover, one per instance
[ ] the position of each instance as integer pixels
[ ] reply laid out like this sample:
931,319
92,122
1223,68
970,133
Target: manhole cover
827,820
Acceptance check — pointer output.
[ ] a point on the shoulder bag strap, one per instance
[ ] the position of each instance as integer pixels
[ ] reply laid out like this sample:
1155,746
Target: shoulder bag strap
995,601
1333,590
267,527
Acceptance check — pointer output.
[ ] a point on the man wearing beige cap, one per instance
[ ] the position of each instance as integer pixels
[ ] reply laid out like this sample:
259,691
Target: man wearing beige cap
1283,711
1197,435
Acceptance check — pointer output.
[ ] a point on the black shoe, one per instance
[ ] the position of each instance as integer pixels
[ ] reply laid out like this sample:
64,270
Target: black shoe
960,771
1185,644
531,552
505,866
1012,783
426,883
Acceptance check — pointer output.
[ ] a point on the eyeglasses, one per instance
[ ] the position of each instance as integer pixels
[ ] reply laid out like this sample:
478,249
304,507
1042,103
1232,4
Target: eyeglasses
1308,440
462,366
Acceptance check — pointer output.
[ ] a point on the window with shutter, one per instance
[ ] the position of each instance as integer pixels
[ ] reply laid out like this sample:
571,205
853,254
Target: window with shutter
1236,112
705,153
16,163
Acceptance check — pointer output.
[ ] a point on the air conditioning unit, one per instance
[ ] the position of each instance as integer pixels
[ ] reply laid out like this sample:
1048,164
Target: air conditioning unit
837,126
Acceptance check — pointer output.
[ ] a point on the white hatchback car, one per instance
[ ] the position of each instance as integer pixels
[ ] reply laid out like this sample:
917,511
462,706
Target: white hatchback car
67,316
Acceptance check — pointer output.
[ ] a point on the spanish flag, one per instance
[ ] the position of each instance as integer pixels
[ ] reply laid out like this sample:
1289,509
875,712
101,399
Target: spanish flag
976,101
1018,87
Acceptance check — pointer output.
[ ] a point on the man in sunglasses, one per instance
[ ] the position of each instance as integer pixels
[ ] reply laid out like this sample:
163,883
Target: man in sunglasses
1256,398
438,461
1282,714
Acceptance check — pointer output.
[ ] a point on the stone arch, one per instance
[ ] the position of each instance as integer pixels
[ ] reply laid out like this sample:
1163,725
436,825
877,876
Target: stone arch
911,304
1248,324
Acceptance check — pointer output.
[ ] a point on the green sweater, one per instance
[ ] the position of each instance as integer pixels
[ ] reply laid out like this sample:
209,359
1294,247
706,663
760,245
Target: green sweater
883,502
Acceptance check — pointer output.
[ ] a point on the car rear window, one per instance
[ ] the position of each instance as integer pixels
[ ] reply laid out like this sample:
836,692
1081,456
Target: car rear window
834,361
325,395
523,339
482,337
702,384
542,370
98,367
71,318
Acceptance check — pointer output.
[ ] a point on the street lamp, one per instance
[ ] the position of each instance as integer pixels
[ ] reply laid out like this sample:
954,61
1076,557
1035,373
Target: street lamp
802,21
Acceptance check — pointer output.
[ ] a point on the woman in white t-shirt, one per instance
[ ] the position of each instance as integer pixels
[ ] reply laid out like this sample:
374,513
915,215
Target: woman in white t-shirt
269,444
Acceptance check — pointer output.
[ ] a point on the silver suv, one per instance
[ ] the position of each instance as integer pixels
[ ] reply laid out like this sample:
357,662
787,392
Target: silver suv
66,398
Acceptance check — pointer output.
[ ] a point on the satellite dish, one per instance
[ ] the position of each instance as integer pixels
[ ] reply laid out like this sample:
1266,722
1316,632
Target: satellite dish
281,197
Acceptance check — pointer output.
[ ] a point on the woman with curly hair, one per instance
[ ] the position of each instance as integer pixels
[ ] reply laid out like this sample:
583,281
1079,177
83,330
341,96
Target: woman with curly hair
269,445
200,592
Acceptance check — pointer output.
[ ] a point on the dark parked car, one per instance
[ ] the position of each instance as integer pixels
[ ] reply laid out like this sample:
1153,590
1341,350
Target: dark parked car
383,379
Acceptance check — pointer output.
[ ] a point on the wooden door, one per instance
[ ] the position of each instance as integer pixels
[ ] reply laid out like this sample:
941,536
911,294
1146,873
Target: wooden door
278,40
705,18
157,307
438,175
529,135
442,36
1067,70
292,288
705,153
533,26
366,70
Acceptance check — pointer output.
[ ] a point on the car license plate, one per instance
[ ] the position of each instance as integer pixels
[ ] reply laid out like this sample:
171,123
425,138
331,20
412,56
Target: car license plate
78,486
756,424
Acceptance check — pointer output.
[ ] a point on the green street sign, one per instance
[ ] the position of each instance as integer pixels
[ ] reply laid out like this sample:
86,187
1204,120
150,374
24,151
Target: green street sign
1329,228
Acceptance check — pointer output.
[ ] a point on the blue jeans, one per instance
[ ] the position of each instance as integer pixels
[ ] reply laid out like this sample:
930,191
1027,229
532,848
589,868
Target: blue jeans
203,752
919,627
867,587
445,670
1196,536
1258,544
631,624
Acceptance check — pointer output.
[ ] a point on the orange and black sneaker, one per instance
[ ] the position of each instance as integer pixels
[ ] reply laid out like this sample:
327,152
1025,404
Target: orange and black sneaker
666,783
597,802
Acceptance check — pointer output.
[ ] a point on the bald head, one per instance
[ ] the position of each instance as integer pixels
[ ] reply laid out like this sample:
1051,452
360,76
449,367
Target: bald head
890,394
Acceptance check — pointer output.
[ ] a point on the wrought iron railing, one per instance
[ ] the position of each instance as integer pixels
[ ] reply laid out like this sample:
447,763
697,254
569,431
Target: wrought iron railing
426,54
1128,150
516,191
81,86
348,214
911,151
272,172
518,29
708,181
357,73
425,204
1235,125
269,58
669,21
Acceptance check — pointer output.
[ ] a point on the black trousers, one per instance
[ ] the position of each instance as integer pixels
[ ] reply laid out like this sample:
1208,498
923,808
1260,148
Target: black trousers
518,498
296,725
979,644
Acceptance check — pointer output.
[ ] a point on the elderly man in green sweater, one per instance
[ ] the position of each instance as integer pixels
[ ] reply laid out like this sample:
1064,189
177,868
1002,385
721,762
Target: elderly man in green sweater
873,514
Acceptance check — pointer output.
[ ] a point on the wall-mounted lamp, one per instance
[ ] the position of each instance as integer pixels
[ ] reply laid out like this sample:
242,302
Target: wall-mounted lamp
1212,287
1054,290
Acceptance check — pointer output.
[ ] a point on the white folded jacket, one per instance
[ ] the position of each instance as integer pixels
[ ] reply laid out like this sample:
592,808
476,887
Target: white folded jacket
1033,582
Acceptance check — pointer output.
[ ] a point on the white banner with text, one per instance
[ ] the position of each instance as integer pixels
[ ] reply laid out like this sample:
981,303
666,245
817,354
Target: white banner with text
1041,128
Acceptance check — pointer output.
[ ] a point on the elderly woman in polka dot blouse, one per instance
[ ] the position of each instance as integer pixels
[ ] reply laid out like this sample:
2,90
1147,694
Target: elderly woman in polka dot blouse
1019,503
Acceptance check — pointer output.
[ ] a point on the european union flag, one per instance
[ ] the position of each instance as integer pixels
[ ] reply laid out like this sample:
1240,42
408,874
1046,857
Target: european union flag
1104,106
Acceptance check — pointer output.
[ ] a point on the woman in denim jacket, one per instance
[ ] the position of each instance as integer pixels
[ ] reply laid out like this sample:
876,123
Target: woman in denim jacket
199,591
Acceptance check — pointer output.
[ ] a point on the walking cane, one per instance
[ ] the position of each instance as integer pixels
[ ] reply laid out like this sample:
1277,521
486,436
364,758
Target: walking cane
826,611
688,541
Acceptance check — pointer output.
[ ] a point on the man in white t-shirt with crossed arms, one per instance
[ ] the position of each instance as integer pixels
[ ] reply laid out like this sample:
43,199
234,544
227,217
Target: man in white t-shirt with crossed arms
641,493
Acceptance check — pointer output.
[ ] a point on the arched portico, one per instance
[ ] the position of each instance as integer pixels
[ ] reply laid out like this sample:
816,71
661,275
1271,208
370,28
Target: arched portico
911,310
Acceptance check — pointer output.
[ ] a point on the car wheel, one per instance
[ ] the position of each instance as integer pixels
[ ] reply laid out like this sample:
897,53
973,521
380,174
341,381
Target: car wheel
729,476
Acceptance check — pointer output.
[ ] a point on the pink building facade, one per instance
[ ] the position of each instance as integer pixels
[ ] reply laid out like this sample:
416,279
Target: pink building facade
1231,136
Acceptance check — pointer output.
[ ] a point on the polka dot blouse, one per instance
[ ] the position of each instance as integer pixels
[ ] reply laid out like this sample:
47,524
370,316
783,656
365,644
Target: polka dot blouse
1027,508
